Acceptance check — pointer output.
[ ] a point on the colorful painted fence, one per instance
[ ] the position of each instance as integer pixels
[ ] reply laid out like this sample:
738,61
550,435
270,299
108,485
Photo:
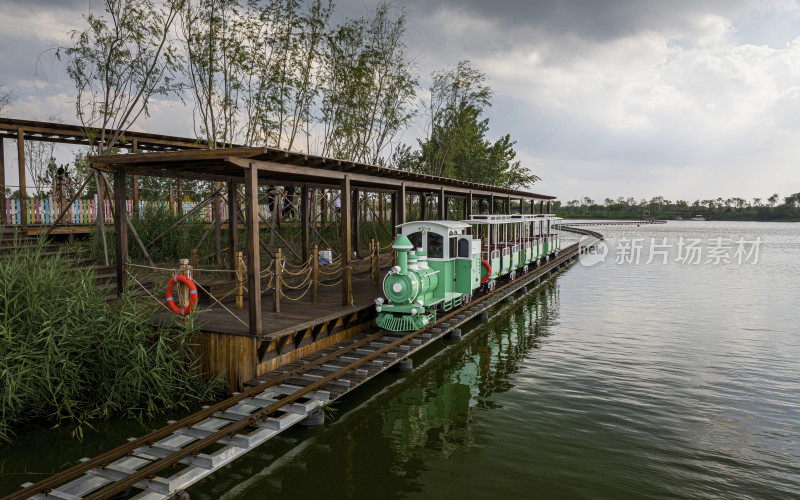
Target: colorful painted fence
45,211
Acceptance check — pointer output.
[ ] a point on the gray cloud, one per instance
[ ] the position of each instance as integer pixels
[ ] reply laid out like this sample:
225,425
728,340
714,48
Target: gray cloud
594,20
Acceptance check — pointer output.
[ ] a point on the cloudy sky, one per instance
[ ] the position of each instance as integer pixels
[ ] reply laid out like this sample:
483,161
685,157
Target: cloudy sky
687,99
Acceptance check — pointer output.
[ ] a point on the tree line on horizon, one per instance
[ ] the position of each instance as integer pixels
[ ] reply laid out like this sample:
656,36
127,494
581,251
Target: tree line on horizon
280,74
774,207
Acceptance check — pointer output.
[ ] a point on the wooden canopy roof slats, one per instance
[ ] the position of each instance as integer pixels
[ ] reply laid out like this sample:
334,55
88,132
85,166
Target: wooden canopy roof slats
75,134
277,166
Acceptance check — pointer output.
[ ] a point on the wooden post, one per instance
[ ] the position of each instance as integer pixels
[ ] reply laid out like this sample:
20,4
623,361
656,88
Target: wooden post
180,197
491,204
548,207
172,200
381,207
347,214
468,206
239,281
541,207
121,230
217,214
276,296
442,208
305,202
233,227
183,292
508,205
400,208
314,273
423,207
101,215
193,261
135,182
278,206
324,207
3,216
356,214
23,191
253,250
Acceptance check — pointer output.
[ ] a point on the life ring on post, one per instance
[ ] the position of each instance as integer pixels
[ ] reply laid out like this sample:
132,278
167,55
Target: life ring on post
488,271
192,295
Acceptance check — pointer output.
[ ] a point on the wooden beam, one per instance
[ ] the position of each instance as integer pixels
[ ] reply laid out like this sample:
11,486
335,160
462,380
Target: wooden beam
180,197
356,221
423,206
23,192
305,212
346,214
468,205
121,230
401,205
233,226
442,205
135,181
3,216
491,205
253,251
217,214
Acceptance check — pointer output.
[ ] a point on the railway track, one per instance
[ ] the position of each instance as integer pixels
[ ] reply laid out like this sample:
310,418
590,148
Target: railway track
205,441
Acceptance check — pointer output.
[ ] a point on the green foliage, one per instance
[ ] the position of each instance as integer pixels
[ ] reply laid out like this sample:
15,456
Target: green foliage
661,208
176,243
457,146
122,59
66,355
369,86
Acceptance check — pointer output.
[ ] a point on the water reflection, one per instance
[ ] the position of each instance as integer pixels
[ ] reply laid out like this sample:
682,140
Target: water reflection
384,435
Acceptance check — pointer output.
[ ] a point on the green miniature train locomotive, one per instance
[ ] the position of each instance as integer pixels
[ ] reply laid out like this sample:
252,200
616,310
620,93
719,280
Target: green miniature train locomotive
442,264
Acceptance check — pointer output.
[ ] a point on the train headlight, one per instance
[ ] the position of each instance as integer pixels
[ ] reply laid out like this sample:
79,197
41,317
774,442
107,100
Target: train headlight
395,269
413,311
378,308
379,301
420,303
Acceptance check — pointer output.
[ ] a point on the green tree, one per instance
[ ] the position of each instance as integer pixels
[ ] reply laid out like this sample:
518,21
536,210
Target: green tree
214,57
456,146
119,62
369,86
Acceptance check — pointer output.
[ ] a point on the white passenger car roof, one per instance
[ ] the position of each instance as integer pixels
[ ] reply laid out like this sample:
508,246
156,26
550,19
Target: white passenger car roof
439,225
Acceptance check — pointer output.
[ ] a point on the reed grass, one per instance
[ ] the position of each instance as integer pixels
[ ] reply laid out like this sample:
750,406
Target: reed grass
68,356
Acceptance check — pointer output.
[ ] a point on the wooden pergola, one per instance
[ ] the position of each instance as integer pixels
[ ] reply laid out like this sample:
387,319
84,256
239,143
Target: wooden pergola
29,130
264,166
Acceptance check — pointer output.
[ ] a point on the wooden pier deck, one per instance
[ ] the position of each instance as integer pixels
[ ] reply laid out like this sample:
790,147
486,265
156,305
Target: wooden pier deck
293,315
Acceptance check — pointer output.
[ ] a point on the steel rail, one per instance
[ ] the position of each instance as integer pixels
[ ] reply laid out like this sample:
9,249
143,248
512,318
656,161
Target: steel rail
46,485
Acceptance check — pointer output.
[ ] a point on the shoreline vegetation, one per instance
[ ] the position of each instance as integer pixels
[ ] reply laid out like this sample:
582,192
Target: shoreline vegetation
69,357
731,209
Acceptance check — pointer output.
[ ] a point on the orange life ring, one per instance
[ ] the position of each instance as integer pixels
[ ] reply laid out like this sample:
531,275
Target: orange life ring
488,271
192,295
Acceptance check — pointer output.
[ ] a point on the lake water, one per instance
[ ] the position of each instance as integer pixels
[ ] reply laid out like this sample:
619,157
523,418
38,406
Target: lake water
615,380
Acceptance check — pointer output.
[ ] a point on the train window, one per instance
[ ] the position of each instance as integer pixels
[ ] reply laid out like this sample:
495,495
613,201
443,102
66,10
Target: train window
416,239
435,246
463,247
